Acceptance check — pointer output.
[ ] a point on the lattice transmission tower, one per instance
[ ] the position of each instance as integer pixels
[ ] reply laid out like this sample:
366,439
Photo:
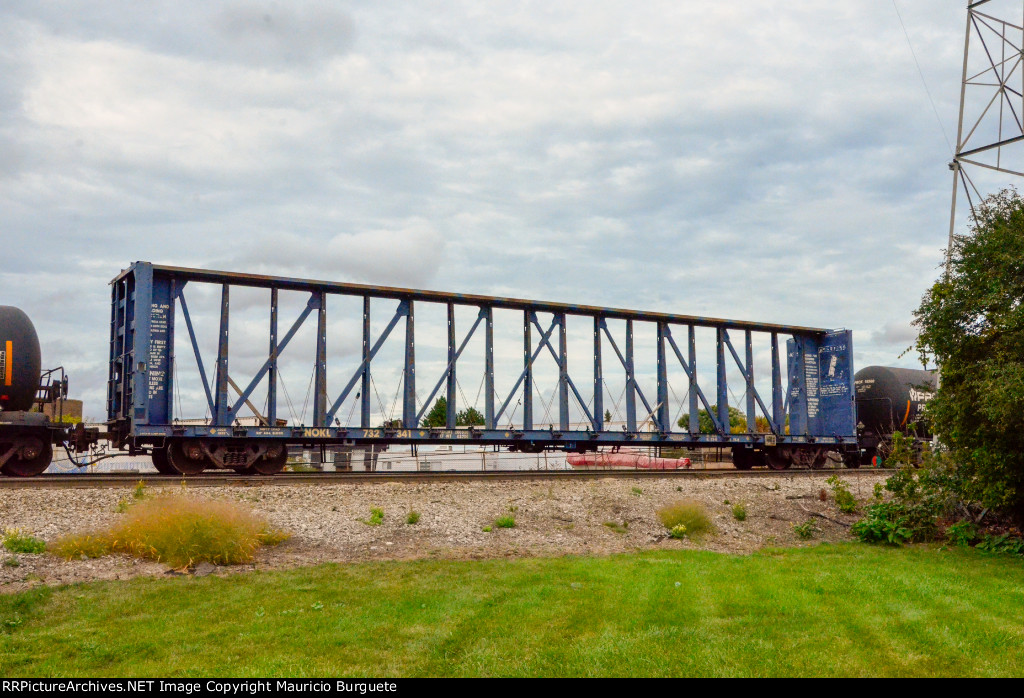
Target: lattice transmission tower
990,132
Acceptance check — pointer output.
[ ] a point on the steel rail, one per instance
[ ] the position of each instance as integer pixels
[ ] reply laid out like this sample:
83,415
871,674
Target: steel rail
234,480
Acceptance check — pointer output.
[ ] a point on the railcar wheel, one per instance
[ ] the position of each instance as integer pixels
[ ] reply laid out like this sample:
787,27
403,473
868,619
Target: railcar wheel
186,457
269,463
161,463
852,459
33,457
778,458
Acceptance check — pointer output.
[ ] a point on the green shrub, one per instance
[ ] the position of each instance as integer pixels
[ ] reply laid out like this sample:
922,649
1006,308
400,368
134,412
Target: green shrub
505,522
486,529
376,517
841,493
739,512
890,523
412,518
690,514
636,491
806,530
1003,543
678,531
900,451
179,531
962,533
920,497
18,542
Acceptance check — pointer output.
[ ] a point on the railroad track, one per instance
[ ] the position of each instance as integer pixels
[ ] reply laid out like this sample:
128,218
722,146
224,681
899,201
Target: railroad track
233,480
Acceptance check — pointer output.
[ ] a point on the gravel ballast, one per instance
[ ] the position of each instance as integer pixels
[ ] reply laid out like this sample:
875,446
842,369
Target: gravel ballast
551,518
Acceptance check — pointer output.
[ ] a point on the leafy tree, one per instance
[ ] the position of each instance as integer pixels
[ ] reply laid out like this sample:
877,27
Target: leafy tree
971,324
469,417
438,416
607,415
737,421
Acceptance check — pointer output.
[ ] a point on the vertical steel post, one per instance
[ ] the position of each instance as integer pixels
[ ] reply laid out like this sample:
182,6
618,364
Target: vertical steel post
598,378
364,393
630,380
272,371
751,417
221,416
723,388
694,426
664,414
528,367
489,367
320,379
409,401
955,165
450,414
563,375
170,350
778,418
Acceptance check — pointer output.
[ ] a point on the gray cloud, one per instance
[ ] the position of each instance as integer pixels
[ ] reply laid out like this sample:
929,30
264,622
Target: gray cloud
259,34
693,159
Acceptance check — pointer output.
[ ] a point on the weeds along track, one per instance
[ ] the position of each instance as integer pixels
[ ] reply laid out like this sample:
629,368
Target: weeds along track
226,479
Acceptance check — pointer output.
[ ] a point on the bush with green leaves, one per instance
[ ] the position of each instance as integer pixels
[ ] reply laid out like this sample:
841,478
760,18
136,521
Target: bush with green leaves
899,451
845,500
806,530
17,541
920,498
1002,543
971,324
962,533
739,512
886,523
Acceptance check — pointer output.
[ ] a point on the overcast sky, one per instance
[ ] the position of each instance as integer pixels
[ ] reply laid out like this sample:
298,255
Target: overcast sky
766,160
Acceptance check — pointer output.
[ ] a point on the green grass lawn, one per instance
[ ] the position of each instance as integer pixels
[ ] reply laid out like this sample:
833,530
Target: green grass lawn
821,611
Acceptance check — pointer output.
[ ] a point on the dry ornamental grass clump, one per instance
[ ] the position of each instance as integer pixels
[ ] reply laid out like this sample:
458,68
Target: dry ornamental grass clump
686,518
180,531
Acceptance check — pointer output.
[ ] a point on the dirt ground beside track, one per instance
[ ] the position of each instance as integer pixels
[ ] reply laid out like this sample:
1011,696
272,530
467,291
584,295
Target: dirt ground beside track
552,519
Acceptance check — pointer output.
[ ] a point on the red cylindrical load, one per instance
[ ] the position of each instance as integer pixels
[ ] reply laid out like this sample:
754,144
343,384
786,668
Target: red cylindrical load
19,360
626,459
